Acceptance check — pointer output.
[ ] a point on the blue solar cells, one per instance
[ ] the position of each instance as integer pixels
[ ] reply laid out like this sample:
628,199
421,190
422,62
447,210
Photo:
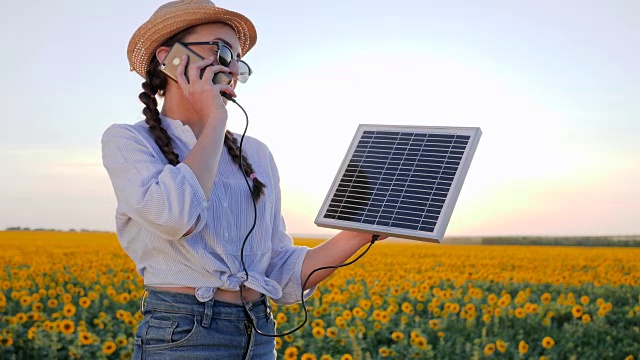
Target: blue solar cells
398,179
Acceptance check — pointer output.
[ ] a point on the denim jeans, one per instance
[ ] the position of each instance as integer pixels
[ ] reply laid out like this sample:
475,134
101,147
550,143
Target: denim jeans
179,326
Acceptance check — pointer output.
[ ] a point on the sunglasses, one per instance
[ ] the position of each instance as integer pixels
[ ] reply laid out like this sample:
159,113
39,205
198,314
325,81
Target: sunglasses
225,57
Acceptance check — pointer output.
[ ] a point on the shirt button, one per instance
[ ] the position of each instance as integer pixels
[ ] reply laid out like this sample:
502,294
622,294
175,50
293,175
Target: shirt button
226,234
225,204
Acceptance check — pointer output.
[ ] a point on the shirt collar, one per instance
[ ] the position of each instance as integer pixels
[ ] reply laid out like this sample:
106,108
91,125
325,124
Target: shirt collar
179,130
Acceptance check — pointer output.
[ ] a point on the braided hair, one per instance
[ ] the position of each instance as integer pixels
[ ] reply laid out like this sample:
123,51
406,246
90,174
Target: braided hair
155,84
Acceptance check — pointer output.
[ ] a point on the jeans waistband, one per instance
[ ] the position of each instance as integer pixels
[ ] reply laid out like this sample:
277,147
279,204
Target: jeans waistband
188,304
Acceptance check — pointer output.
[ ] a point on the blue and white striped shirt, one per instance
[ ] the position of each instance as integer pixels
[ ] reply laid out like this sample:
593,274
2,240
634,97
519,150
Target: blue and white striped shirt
158,203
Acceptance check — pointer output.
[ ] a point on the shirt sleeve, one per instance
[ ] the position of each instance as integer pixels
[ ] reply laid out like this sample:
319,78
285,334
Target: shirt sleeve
285,266
164,198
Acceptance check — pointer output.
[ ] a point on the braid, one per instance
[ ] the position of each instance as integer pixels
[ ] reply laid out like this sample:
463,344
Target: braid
231,143
152,85
156,83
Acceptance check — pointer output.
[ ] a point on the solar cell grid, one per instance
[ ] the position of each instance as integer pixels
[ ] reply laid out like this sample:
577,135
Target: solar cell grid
398,179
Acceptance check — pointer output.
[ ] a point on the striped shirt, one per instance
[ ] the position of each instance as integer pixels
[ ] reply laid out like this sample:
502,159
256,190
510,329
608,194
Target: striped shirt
158,203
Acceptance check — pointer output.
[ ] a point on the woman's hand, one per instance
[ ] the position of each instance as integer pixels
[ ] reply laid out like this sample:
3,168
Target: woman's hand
202,93
363,238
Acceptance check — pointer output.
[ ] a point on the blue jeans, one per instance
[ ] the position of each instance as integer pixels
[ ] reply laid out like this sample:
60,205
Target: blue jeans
179,326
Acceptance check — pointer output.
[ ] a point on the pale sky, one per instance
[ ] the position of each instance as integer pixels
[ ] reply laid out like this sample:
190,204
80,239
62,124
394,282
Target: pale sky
554,86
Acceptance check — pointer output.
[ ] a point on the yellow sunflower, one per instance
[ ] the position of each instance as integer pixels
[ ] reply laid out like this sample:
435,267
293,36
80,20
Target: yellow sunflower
21,317
291,353
6,341
419,342
584,300
66,298
318,332
109,347
69,310
25,300
124,298
84,302
317,323
577,311
523,347
281,318
397,336
548,342
67,327
86,338
545,298
121,341
489,349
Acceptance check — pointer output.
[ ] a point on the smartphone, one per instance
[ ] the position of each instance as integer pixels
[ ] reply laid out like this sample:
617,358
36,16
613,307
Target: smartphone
171,62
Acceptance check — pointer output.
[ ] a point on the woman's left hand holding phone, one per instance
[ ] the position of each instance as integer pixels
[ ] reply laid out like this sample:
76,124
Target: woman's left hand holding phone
201,92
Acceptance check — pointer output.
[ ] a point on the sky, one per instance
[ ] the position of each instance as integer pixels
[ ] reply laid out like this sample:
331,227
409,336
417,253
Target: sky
554,86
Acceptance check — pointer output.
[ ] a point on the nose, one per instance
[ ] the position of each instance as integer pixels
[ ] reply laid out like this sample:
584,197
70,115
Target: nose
234,69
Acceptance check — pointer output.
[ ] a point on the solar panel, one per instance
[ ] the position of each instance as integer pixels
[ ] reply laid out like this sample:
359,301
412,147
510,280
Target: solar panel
400,181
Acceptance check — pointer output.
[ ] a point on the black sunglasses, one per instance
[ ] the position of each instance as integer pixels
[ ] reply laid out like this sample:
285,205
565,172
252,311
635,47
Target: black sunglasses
225,57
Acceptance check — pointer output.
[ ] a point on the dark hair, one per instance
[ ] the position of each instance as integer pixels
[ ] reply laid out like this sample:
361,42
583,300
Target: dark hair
156,83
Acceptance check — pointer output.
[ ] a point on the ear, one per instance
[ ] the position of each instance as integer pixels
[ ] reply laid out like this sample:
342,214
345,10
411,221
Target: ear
161,53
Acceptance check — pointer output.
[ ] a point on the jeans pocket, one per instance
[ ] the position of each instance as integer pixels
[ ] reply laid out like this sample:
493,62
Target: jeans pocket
168,329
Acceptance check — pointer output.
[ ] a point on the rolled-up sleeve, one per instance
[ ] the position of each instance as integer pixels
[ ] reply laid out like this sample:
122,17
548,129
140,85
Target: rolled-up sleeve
164,198
285,266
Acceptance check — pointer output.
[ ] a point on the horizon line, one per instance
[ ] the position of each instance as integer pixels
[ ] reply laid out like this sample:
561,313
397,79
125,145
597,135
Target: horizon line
328,236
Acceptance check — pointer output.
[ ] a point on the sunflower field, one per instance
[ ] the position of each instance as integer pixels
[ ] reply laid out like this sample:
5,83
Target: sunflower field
77,295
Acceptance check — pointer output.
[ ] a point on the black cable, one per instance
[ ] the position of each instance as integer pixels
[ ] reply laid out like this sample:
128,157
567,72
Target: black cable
255,209
374,238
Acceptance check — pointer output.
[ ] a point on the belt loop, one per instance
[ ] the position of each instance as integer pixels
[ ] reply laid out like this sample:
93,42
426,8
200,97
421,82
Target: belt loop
267,305
247,309
142,298
208,313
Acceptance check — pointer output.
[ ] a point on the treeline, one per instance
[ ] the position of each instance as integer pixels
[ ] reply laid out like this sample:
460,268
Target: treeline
628,241
18,228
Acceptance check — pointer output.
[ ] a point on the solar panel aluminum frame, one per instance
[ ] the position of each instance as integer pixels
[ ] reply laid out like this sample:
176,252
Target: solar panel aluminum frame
437,235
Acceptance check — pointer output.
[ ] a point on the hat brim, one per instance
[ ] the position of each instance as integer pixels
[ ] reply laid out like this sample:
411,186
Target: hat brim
153,33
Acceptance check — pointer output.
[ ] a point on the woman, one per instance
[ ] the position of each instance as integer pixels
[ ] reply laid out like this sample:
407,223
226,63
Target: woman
184,208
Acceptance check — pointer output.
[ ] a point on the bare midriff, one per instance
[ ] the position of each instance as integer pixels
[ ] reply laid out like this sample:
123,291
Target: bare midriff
220,294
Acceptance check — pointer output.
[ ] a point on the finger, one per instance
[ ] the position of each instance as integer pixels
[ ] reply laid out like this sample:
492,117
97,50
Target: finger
208,73
219,68
182,79
206,63
193,71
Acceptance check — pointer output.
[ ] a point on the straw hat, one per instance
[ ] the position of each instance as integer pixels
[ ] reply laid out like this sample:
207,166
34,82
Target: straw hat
175,16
